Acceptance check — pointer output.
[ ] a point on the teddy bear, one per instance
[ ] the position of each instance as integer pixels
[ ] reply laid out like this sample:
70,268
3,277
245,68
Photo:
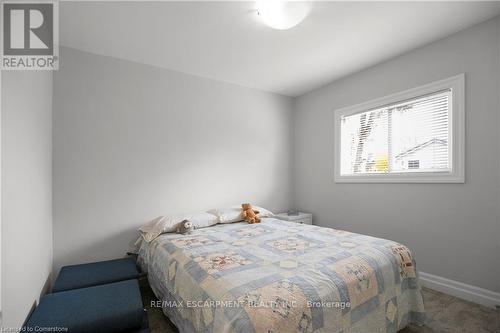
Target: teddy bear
185,227
249,214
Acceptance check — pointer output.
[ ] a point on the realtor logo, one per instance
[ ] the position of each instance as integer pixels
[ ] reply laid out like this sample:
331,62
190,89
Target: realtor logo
29,35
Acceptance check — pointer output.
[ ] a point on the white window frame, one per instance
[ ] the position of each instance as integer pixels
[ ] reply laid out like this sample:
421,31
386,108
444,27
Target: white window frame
457,135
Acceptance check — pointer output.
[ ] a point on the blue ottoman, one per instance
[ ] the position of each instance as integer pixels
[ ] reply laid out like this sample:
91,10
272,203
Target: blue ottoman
96,273
114,307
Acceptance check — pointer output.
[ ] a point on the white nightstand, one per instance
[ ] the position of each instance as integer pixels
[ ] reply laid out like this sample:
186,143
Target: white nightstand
302,218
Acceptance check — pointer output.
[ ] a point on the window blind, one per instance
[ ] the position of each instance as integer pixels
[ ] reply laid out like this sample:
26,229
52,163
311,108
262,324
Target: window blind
404,137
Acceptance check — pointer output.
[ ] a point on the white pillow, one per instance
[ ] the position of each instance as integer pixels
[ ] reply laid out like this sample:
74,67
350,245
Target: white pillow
158,226
202,220
263,212
227,215
233,213
164,224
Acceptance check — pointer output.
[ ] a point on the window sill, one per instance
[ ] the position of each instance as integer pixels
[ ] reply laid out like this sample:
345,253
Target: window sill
403,178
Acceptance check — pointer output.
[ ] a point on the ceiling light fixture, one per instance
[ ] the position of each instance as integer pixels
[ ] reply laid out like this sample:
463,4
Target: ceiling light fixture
282,15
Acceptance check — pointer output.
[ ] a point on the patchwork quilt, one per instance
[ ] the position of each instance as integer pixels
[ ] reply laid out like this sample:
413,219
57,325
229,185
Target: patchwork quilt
279,276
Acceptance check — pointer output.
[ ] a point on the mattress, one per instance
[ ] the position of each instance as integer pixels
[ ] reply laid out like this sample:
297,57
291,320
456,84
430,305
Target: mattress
279,276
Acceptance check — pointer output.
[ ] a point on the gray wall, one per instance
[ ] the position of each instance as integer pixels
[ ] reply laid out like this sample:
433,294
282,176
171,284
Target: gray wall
452,228
26,191
132,142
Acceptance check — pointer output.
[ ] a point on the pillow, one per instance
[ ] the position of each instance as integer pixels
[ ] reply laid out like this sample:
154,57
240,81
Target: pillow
202,220
158,226
263,212
164,224
227,215
233,213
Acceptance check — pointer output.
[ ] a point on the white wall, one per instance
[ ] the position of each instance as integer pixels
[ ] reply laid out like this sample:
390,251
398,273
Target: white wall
498,82
26,191
452,228
132,142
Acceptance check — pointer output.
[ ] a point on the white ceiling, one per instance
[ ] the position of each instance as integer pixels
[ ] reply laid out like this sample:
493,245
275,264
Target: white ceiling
226,41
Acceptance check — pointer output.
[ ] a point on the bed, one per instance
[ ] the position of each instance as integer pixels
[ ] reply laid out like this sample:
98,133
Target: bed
279,276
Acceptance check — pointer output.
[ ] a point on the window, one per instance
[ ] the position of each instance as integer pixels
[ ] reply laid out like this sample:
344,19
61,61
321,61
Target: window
413,136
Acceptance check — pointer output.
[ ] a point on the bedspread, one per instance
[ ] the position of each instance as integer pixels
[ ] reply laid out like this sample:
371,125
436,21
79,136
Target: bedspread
280,276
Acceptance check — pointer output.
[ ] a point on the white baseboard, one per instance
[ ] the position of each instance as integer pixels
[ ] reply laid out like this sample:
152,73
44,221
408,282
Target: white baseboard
461,290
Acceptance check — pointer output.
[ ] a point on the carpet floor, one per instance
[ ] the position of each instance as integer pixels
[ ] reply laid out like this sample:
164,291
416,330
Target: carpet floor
445,314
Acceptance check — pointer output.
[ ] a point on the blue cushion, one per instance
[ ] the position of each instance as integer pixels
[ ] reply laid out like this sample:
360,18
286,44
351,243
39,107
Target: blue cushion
96,273
114,307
